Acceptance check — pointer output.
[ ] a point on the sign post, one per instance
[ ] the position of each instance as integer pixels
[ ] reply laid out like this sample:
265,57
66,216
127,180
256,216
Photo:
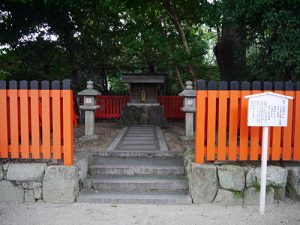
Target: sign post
266,110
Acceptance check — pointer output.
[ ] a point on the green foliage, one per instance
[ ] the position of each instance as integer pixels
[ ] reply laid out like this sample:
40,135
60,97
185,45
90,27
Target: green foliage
99,40
117,85
238,194
256,185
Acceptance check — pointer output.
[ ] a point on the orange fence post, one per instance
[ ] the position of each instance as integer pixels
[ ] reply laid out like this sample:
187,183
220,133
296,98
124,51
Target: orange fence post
35,119
254,136
211,120
276,135
233,119
287,131
222,120
67,123
244,130
24,119
56,120
200,121
14,119
45,95
3,121
296,136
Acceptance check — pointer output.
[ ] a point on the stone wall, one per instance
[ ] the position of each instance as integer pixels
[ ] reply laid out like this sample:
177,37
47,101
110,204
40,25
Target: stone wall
228,184
39,182
143,115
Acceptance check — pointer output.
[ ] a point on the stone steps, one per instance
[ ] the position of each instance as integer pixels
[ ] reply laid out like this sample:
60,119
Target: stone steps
139,166
138,182
118,197
137,154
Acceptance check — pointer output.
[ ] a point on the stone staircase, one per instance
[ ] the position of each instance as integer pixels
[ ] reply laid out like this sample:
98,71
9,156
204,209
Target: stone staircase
136,177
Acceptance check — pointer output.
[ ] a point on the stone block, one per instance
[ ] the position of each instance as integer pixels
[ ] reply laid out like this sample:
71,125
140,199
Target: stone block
279,193
203,182
293,187
294,178
37,193
232,177
82,160
9,192
1,173
29,196
34,184
5,166
26,171
134,115
25,185
61,184
250,177
227,198
252,196
276,176
156,116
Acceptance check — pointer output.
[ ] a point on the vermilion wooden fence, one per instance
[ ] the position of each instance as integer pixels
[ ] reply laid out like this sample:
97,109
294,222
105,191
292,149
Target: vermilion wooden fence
111,106
172,105
36,123
221,123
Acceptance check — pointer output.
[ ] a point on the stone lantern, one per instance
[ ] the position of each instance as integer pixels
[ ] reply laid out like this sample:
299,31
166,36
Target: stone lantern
89,106
189,107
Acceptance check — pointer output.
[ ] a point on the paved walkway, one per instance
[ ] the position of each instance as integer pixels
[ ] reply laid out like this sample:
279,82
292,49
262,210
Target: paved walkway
108,214
139,138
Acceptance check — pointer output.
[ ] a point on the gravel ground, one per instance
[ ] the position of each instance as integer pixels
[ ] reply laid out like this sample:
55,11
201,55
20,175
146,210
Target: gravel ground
108,130
106,214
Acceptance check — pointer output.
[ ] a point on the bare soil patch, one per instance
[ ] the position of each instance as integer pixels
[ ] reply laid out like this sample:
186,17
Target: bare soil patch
106,130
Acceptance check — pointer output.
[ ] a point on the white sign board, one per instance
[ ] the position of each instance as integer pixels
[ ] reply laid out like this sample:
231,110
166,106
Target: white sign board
268,109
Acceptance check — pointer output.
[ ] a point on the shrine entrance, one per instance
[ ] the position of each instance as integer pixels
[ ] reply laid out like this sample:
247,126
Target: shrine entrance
143,107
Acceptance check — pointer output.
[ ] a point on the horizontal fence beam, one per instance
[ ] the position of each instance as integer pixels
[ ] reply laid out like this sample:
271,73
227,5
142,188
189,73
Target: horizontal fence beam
36,120
221,122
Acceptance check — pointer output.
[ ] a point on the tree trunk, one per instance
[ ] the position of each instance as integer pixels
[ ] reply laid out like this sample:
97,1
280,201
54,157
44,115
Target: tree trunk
230,52
171,11
179,77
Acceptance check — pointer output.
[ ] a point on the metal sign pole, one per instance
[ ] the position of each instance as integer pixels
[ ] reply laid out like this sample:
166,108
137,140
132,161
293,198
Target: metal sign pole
263,178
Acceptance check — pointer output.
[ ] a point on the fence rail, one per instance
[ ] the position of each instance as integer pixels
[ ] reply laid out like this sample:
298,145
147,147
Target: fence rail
221,122
111,106
36,122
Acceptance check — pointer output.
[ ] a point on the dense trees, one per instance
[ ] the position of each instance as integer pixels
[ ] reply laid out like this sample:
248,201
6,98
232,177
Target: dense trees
100,39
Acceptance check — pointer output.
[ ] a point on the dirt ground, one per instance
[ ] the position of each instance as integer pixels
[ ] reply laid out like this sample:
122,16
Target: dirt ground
108,130
107,214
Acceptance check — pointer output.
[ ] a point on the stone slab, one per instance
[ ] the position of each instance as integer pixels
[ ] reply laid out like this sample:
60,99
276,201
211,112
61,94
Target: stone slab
10,192
139,138
276,176
61,184
26,171
203,182
1,173
252,196
161,197
232,177
29,196
228,198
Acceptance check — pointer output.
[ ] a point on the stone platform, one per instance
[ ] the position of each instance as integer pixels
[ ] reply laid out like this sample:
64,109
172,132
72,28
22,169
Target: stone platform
139,138
143,114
